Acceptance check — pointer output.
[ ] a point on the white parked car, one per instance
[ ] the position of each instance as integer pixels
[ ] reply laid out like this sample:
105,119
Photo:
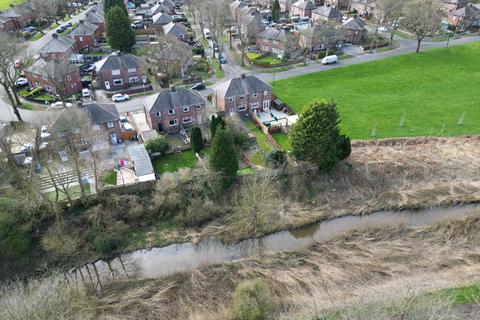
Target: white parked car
44,132
86,93
382,29
21,82
119,97
59,104
330,59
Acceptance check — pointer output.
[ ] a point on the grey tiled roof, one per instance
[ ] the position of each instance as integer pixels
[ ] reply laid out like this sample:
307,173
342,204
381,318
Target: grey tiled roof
94,17
84,28
168,99
50,68
141,160
117,62
274,34
174,29
241,86
161,18
59,44
354,23
327,12
305,5
101,113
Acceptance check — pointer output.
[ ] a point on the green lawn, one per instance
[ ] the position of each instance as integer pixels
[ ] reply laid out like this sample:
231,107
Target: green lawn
110,178
172,162
37,36
434,92
262,141
4,4
220,73
283,140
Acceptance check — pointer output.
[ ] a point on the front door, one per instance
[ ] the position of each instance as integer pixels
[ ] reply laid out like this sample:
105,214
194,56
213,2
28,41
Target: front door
160,127
107,85
266,105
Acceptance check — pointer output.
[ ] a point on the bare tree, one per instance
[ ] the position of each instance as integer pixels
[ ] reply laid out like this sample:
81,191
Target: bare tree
388,12
44,10
217,22
330,35
12,50
61,75
422,17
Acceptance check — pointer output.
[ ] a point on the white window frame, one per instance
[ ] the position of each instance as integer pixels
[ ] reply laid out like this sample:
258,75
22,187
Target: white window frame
199,106
187,119
159,115
76,130
254,105
117,82
171,112
95,127
186,109
266,105
133,79
110,125
265,93
255,95
69,77
63,155
241,97
61,134
242,107
132,70
230,99
82,142
175,123
116,72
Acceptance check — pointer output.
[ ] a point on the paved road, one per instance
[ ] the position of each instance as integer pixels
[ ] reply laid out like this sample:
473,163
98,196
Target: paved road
407,47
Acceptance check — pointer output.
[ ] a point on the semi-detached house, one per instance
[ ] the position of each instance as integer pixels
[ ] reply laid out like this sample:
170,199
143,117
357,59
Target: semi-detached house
242,94
119,71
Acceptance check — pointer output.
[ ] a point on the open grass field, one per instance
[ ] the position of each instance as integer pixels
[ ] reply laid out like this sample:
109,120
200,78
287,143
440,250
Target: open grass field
434,93
4,4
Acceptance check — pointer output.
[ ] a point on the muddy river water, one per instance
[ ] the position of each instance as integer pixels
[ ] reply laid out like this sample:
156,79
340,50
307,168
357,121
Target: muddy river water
159,262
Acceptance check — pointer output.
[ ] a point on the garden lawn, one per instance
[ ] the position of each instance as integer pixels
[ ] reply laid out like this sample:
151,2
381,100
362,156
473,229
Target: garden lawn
262,141
110,177
4,4
436,92
172,162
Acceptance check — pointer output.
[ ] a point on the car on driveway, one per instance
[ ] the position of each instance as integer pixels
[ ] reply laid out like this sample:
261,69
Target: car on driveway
383,29
21,82
222,60
119,97
59,104
86,93
199,86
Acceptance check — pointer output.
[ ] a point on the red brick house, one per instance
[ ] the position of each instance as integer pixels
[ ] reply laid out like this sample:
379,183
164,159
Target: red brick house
450,6
302,8
354,30
326,14
364,7
45,74
239,95
105,117
96,18
174,109
7,24
19,15
119,71
337,4
58,48
466,17
274,41
85,35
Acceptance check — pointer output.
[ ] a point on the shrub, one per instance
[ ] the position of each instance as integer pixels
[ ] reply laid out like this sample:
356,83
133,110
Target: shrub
223,158
345,146
14,242
198,212
58,242
275,158
252,301
216,123
196,139
158,144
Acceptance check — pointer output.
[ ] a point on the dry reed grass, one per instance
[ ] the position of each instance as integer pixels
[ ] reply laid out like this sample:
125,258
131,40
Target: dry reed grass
358,270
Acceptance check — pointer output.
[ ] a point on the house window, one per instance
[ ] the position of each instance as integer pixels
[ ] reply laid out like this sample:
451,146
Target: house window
69,77
242,97
81,39
254,105
173,122
47,87
76,130
95,127
118,82
265,93
63,155
230,99
186,109
37,84
171,111
254,95
266,105
242,107
110,125
34,75
187,120
61,134
133,79
159,114
199,107
115,72
82,142
132,70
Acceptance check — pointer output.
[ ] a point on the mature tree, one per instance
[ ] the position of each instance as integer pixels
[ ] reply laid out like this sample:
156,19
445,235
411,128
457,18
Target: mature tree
388,12
60,74
252,300
316,137
243,33
215,123
10,51
43,10
217,22
276,11
120,35
330,34
158,144
196,139
223,157
422,17
108,4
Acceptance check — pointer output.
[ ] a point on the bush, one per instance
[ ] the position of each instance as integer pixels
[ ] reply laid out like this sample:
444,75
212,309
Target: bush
198,212
223,157
157,145
275,158
14,242
106,243
346,146
58,242
196,139
252,301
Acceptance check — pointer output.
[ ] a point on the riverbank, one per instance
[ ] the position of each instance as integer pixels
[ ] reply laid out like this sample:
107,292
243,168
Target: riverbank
378,266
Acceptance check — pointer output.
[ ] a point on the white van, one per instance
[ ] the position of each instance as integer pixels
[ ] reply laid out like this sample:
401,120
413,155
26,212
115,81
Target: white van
330,59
